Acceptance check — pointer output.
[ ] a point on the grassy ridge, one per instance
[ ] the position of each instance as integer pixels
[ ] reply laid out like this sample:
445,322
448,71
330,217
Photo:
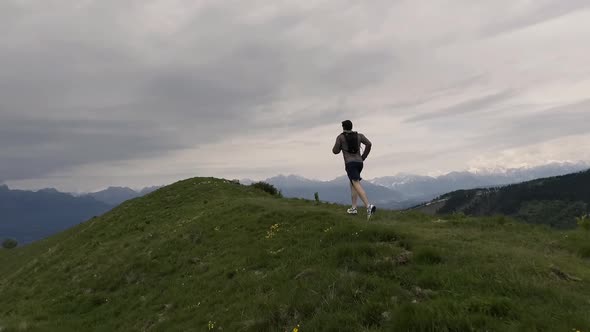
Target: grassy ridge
205,254
554,201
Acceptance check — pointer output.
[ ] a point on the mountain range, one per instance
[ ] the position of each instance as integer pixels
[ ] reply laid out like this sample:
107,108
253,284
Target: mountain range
118,195
406,190
554,201
427,187
335,191
28,216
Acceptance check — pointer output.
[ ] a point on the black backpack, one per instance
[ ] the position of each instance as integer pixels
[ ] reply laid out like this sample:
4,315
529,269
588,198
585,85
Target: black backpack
352,141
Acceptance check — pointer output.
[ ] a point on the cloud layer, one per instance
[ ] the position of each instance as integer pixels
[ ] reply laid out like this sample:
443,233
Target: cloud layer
146,92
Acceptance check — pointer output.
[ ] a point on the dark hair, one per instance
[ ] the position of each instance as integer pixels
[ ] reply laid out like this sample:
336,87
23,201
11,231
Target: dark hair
347,125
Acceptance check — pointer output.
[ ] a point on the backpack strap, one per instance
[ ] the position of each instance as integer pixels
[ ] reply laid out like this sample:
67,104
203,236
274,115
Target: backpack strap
358,145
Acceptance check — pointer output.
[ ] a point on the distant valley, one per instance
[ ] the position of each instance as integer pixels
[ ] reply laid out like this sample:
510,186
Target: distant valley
28,216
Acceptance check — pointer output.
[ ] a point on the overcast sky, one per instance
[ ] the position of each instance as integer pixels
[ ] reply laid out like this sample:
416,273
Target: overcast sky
140,92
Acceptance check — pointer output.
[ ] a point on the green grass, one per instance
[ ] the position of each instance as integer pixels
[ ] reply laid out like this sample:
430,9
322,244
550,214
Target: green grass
206,253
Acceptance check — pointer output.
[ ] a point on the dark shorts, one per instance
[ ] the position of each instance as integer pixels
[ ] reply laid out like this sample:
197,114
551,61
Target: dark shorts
354,169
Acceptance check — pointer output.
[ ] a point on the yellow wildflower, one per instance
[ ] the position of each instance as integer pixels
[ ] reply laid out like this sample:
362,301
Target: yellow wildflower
272,231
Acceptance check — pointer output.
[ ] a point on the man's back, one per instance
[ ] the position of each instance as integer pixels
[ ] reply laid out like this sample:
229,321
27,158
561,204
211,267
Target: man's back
342,145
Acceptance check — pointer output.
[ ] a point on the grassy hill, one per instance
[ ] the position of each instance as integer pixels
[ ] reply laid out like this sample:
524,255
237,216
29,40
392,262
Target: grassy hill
208,255
554,201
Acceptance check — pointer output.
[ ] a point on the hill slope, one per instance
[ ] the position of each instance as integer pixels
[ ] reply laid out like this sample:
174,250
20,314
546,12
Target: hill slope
207,255
554,201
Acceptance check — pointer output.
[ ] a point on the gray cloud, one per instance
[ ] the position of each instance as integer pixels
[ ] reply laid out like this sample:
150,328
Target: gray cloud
445,90
32,148
112,81
210,78
470,106
552,123
544,11
71,101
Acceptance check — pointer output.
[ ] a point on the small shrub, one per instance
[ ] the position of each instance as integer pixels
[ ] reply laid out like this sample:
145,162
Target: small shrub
9,244
437,316
457,217
498,307
380,234
585,251
316,196
428,256
267,187
405,244
500,220
372,314
583,222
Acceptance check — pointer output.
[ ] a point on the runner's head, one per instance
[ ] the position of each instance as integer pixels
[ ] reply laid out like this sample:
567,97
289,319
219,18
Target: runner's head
347,125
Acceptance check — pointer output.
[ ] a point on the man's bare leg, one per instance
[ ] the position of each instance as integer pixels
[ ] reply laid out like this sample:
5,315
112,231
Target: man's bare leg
356,185
354,195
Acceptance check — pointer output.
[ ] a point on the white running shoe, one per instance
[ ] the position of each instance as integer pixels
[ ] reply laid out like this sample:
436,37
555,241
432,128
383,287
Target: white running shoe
352,211
371,211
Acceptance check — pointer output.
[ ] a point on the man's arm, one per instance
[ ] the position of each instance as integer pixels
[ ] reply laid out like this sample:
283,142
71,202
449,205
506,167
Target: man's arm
337,146
367,144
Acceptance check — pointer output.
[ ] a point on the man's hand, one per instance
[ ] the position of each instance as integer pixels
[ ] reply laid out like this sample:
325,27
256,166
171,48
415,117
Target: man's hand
368,145
337,147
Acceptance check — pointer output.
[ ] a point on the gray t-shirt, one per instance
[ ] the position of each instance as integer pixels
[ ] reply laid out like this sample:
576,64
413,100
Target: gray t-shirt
342,145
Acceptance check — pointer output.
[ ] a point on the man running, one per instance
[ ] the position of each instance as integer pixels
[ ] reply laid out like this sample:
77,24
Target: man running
349,143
